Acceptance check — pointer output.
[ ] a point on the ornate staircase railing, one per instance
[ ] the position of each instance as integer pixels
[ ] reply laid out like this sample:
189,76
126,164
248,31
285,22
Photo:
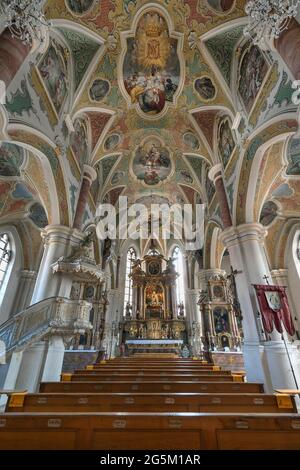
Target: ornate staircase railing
56,315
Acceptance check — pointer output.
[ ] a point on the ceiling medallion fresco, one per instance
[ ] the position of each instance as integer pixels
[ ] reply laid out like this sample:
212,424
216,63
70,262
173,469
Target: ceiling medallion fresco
205,88
151,64
79,7
293,156
268,214
112,142
191,141
152,162
99,89
221,6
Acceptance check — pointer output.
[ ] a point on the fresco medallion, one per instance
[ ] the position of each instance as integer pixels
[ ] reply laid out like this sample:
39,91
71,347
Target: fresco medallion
151,65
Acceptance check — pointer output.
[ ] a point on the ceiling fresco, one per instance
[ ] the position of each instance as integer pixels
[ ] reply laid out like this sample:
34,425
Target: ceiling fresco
151,65
152,162
147,94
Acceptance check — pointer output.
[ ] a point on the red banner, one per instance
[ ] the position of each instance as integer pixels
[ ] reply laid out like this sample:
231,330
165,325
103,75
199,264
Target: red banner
274,308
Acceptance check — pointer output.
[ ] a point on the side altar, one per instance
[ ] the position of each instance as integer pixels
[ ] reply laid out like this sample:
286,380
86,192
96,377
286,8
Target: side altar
154,322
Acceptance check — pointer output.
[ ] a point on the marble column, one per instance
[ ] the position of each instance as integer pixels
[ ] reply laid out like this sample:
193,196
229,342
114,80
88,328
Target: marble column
266,359
57,243
167,301
173,300
138,299
194,320
118,271
25,290
288,47
216,176
30,372
134,301
11,376
192,297
109,341
89,175
187,271
54,359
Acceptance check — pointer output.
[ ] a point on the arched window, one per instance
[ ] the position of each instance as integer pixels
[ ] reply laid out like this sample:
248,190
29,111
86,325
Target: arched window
178,262
5,256
131,255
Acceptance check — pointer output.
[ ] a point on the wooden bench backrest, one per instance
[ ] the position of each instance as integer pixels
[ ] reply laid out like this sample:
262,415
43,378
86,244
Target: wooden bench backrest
112,431
133,386
219,403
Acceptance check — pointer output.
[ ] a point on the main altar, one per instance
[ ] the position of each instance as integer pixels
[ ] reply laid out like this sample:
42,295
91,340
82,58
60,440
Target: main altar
154,322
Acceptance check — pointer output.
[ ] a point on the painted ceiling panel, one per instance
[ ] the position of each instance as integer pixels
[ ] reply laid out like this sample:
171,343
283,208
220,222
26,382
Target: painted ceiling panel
83,51
221,48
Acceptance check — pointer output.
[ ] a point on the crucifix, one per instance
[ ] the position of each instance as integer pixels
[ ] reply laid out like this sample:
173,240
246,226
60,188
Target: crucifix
234,294
231,278
266,278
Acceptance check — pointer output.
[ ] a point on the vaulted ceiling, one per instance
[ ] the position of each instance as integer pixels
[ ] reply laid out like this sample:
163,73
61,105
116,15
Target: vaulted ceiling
146,93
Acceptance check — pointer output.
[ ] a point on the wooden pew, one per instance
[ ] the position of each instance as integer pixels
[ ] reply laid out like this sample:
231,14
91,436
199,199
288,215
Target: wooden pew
151,368
149,378
172,363
164,431
155,363
146,373
146,402
151,387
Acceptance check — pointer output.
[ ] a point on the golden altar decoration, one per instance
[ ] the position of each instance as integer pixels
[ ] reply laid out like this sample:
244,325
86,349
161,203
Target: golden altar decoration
153,315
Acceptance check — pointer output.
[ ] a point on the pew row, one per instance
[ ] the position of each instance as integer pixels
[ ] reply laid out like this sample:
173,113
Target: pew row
149,431
156,402
151,373
148,378
150,387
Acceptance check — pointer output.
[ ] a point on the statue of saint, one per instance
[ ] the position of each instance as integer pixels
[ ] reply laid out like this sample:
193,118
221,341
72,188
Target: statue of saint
181,310
128,310
136,266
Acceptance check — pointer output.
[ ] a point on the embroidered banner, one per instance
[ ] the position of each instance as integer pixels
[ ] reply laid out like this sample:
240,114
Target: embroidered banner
274,308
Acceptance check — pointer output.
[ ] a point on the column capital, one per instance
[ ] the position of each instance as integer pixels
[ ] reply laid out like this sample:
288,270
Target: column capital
27,274
243,233
56,233
280,276
89,173
215,172
206,274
